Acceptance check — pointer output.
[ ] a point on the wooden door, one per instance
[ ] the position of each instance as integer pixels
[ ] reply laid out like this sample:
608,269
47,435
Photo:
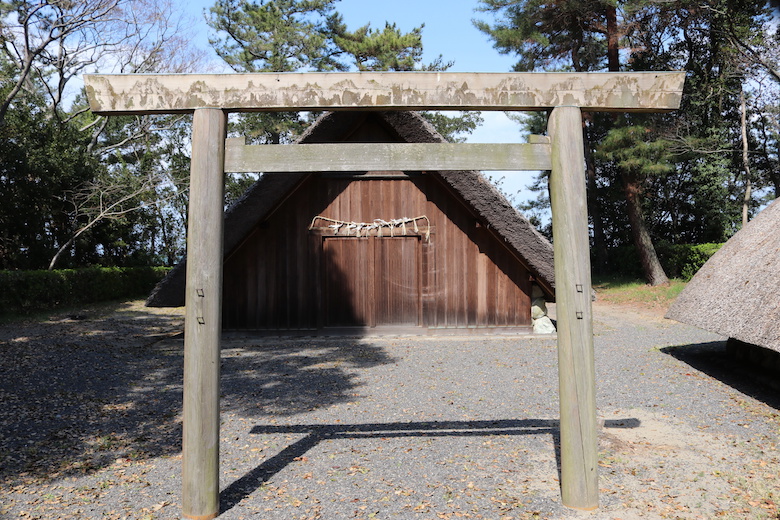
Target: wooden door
346,264
371,281
396,281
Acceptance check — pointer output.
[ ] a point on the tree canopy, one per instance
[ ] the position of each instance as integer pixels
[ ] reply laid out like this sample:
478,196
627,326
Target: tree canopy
83,190
78,189
680,177
306,35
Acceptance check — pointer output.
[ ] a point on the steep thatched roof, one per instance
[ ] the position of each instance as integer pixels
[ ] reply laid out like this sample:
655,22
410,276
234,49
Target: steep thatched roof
478,193
737,292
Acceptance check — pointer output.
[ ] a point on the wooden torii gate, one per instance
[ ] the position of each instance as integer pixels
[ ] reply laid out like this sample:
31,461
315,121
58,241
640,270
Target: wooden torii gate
211,97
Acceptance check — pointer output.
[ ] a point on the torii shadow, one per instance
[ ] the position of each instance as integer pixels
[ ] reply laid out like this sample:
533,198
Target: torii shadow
315,433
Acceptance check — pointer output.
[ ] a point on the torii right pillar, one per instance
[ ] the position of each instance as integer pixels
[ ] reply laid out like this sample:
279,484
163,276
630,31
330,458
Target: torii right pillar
576,367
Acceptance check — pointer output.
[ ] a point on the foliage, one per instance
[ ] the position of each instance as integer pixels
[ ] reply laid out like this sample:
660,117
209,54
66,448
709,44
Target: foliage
629,148
682,175
27,291
388,49
548,35
40,164
49,43
39,38
679,260
454,128
310,35
79,207
78,189
61,166
684,260
274,36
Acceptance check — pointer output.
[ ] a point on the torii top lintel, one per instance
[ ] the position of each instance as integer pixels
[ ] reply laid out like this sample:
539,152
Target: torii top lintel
181,93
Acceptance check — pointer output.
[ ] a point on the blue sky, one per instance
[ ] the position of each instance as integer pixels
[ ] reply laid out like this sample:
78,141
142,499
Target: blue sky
448,29
448,32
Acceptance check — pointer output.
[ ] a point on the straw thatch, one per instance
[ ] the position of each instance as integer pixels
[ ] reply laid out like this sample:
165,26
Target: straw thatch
470,186
737,292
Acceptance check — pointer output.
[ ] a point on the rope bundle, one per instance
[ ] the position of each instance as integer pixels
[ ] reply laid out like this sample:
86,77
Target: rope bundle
377,225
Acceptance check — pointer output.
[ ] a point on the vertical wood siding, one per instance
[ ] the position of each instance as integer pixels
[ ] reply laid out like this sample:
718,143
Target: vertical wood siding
286,277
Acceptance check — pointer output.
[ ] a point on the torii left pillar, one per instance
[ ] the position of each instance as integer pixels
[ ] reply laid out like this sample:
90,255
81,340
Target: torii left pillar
203,317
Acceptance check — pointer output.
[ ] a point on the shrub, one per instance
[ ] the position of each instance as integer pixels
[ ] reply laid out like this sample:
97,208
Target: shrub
678,260
684,260
27,291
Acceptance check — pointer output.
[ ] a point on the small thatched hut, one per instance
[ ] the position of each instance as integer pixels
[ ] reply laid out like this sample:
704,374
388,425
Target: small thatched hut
431,252
735,293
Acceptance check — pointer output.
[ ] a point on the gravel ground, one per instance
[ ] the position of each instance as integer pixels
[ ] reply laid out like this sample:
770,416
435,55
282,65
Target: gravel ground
392,427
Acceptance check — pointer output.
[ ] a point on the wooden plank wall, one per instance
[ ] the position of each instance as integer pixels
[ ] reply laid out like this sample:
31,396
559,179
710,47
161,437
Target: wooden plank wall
461,277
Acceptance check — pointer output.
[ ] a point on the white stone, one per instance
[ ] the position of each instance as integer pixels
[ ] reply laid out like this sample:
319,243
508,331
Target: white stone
544,325
538,308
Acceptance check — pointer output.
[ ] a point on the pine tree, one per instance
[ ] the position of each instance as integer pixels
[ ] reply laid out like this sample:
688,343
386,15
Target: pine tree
374,50
694,200
295,35
569,35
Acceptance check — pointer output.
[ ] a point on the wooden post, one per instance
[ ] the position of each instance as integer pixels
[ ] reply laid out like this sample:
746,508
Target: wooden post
203,317
576,369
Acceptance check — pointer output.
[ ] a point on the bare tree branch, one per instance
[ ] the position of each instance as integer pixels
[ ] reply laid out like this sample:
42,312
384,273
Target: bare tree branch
100,202
43,24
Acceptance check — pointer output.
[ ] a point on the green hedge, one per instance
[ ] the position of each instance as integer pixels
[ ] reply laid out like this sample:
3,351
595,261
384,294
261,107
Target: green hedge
678,260
684,260
27,291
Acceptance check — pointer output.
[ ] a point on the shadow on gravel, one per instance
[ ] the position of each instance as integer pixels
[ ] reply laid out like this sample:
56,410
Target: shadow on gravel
316,433
80,390
290,376
713,359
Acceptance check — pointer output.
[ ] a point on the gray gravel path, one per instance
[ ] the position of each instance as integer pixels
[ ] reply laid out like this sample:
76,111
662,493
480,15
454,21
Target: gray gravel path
392,427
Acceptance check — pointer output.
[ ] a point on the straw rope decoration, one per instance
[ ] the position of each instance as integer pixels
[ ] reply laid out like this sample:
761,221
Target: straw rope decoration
378,225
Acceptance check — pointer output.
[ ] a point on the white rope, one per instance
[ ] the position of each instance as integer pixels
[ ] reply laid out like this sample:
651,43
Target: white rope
377,225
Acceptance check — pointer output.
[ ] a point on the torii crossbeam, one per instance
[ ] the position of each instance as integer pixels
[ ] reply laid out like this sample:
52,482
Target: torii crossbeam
211,97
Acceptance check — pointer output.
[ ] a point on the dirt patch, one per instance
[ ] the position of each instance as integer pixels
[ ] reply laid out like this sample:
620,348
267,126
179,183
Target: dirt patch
664,469
633,312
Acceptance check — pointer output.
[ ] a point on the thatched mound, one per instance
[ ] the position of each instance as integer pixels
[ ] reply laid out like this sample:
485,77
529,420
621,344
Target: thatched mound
737,292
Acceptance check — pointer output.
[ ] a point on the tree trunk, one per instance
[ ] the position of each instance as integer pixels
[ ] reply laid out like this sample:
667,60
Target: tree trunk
599,240
654,273
745,161
59,252
613,40
613,65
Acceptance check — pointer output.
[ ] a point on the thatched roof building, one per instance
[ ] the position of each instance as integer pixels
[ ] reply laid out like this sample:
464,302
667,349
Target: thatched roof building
737,292
473,264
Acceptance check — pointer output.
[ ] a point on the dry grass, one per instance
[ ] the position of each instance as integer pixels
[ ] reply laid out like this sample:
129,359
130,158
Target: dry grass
632,291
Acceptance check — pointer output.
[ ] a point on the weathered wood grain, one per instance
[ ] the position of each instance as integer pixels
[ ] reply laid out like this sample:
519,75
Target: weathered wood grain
576,367
594,91
345,157
203,318
347,271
